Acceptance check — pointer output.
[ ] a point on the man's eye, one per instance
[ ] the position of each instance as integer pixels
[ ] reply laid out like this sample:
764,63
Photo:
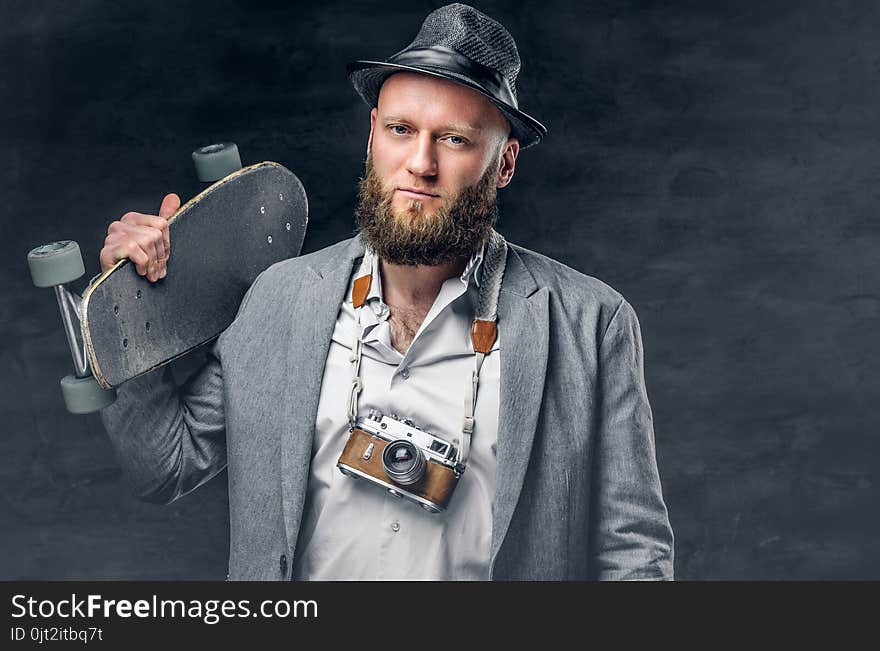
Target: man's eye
399,129
457,140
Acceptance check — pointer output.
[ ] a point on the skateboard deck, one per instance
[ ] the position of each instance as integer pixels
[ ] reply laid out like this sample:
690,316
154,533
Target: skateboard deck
220,241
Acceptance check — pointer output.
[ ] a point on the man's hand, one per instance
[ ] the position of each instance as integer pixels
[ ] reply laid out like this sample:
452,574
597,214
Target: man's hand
143,239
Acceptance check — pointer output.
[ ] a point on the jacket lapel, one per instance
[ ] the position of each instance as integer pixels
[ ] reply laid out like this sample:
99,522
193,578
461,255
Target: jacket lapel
317,308
524,333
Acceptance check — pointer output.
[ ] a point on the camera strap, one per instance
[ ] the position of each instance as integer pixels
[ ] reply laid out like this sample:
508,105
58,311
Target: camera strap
484,331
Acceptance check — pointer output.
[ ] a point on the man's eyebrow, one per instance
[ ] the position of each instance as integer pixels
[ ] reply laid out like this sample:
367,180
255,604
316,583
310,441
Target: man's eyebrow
449,126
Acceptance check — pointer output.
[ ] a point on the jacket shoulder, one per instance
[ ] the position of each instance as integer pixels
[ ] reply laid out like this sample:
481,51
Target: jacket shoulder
287,269
567,282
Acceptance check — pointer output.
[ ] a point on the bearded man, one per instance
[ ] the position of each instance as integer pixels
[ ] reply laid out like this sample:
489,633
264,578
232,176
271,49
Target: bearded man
430,325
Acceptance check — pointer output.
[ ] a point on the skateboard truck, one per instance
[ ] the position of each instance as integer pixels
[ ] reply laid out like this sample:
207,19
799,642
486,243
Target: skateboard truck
59,263
55,265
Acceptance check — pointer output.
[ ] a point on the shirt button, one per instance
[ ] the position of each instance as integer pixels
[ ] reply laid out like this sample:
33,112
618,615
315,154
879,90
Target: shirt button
395,526
405,373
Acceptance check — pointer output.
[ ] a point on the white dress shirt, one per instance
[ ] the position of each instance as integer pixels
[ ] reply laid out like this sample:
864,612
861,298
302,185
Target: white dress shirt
355,530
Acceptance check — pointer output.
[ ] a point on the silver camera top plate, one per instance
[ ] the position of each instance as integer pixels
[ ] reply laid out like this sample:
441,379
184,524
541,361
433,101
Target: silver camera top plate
392,428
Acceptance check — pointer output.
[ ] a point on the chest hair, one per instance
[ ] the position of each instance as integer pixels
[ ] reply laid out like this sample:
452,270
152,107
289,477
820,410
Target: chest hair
405,322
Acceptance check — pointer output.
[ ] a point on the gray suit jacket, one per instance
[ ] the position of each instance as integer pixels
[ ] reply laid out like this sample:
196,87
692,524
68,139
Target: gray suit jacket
578,492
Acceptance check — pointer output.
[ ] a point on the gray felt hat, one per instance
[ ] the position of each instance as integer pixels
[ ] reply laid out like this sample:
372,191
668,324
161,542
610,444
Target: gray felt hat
458,43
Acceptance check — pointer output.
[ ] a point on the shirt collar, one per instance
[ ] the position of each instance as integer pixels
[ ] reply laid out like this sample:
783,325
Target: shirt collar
474,267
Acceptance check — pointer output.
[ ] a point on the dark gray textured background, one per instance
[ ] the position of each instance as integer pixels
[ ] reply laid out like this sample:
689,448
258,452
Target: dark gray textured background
717,162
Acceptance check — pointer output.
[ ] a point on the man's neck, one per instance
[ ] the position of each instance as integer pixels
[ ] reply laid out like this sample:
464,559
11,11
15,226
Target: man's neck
414,287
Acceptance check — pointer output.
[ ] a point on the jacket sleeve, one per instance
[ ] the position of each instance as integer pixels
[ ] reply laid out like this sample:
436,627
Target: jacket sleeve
631,535
170,440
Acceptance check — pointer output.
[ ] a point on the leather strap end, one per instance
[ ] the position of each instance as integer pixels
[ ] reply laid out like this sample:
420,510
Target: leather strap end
483,334
360,290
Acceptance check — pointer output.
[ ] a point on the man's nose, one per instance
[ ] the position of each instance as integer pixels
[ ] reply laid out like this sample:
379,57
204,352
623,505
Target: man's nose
423,157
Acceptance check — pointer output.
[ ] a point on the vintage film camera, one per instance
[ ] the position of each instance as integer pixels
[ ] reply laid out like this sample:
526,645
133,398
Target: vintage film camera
402,458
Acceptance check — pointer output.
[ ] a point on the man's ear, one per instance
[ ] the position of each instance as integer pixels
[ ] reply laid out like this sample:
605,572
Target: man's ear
373,114
507,162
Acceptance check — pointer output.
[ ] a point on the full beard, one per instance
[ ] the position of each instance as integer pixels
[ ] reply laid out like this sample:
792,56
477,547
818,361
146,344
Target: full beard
456,230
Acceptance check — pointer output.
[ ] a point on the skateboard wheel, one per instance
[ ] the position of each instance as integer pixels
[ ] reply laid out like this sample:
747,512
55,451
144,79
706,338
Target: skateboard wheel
57,263
215,162
83,395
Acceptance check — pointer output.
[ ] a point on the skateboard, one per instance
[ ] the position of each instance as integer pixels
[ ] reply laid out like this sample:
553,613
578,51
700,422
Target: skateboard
221,239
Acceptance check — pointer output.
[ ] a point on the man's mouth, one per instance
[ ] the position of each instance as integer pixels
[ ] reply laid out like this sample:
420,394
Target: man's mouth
416,194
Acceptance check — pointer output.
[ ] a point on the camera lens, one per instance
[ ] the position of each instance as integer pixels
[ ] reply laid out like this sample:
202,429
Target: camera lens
404,463
401,458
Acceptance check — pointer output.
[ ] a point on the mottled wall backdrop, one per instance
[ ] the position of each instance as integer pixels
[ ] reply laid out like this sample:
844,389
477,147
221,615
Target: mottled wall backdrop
716,162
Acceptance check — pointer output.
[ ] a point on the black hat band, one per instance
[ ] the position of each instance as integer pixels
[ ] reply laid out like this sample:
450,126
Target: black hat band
446,59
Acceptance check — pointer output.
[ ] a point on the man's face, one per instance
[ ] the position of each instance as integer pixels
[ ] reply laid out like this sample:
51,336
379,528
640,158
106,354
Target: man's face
437,153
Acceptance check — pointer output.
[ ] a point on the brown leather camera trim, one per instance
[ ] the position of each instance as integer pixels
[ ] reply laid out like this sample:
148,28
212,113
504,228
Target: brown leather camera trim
360,289
483,334
436,486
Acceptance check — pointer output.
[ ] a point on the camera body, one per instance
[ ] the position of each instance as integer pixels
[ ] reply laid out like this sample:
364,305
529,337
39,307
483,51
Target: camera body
403,459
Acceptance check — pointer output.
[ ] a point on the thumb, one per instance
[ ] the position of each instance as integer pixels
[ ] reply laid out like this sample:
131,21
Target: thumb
170,205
